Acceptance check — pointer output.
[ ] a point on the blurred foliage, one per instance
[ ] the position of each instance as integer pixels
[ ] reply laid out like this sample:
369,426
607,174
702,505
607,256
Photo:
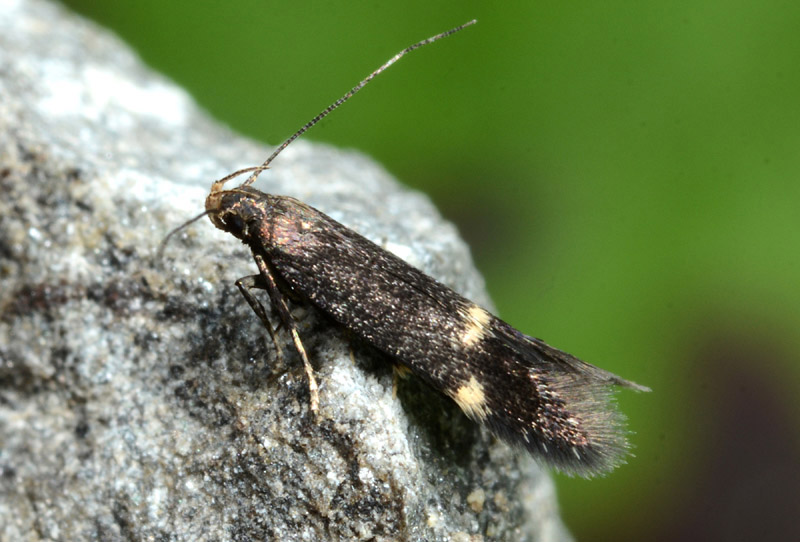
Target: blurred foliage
627,174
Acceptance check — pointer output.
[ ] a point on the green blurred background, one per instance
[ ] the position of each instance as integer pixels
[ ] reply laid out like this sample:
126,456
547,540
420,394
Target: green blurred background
627,175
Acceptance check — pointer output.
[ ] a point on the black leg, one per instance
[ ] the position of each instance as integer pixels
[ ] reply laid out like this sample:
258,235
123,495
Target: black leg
266,281
245,284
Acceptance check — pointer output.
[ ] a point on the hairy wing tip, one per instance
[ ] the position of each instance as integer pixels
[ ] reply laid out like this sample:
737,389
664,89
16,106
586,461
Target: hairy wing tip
629,384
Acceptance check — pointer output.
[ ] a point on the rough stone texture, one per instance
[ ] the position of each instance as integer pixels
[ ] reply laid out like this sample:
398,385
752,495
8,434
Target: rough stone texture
141,399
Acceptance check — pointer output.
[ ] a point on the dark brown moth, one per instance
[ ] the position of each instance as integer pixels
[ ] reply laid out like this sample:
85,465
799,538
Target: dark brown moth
526,392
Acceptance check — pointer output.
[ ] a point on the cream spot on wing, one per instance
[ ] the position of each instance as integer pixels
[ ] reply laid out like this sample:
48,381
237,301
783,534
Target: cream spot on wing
471,399
476,325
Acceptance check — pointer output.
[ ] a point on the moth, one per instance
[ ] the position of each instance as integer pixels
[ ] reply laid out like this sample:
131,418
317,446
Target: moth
524,391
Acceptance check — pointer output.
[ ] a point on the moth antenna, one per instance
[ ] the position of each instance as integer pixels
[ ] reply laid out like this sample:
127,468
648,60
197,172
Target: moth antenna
163,244
250,180
217,185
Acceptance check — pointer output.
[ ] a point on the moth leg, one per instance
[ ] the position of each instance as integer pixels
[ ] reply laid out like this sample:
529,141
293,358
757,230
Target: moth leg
245,284
398,372
350,350
279,302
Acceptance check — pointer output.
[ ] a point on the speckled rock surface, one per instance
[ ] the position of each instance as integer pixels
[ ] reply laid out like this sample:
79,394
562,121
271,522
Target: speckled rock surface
140,398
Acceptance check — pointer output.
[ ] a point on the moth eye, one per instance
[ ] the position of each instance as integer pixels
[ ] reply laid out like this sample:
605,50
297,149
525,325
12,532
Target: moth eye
233,222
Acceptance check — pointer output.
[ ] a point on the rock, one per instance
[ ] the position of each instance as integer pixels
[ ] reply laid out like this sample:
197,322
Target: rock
140,398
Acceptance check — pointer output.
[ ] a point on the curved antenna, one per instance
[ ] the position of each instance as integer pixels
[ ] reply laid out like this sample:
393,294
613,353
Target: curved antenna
347,96
163,244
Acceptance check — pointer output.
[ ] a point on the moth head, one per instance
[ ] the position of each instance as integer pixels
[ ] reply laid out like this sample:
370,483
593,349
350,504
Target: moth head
237,211
219,207
230,210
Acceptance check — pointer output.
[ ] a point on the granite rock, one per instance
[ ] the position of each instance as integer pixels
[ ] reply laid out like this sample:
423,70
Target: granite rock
140,398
